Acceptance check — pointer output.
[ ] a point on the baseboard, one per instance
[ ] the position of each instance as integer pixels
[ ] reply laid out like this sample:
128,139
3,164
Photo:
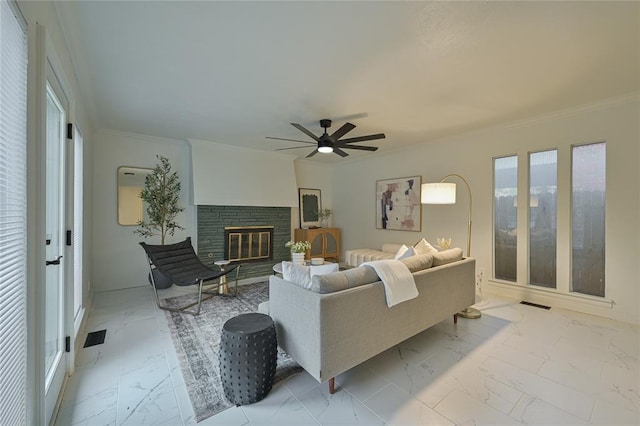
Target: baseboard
601,307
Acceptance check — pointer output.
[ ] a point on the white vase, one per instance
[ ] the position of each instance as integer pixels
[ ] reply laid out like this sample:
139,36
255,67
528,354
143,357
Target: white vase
297,258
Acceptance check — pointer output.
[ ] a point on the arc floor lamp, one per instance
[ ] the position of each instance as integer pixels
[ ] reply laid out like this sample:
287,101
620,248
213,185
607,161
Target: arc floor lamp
445,193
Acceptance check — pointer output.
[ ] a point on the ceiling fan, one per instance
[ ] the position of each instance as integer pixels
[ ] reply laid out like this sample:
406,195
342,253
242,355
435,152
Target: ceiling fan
332,143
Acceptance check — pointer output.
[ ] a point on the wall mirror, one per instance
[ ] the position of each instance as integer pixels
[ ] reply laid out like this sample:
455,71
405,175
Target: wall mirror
131,209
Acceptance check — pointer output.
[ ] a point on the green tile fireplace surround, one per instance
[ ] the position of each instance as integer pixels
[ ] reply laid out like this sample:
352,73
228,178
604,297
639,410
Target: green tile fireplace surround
212,220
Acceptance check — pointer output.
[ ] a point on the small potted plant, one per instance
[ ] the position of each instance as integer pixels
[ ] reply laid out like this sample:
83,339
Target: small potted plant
325,214
298,250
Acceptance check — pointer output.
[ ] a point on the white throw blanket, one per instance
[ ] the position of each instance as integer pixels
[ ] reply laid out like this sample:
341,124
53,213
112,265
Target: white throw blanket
398,281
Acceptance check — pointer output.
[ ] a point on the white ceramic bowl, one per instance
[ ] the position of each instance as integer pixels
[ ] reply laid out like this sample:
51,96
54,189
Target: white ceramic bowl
317,260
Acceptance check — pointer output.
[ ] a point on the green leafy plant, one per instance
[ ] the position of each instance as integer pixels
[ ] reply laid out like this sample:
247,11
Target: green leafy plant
161,194
325,213
298,246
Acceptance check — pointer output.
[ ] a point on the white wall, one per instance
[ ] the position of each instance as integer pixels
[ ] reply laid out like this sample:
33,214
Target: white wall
471,154
243,177
119,261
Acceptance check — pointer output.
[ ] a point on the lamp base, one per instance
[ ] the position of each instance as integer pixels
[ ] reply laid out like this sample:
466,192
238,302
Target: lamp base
470,313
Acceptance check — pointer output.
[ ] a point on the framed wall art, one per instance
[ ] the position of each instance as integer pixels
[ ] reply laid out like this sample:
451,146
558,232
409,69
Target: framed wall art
398,204
310,204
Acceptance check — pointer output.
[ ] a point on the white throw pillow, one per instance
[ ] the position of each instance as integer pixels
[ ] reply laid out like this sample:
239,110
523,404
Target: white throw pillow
404,251
403,248
297,274
423,247
301,274
410,252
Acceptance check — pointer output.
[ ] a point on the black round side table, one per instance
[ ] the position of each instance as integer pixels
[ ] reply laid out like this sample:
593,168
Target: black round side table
248,355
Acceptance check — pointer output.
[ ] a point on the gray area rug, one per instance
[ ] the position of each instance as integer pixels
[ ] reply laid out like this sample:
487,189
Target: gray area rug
197,340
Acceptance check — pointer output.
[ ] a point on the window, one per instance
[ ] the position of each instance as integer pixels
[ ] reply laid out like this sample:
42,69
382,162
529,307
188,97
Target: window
505,194
587,219
543,185
13,214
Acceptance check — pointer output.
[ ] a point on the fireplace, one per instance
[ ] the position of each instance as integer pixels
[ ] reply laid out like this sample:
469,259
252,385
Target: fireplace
212,239
248,243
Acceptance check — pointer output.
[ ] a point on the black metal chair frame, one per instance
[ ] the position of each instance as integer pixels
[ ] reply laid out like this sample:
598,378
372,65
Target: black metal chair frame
181,265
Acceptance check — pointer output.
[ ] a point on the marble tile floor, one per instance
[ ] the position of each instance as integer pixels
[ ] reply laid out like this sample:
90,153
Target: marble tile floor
517,365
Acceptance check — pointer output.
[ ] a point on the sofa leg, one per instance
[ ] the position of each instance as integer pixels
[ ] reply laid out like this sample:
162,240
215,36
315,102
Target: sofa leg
332,385
455,318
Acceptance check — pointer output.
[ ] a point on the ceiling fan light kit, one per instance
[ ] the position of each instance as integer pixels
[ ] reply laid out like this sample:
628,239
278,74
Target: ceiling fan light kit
332,143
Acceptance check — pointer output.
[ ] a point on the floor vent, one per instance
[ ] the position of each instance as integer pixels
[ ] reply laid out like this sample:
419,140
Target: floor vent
95,338
535,305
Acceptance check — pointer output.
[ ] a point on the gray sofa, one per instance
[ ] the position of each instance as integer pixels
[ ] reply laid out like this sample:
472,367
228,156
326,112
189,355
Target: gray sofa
343,319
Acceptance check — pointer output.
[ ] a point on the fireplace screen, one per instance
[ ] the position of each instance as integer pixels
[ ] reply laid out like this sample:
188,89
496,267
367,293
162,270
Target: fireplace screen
248,243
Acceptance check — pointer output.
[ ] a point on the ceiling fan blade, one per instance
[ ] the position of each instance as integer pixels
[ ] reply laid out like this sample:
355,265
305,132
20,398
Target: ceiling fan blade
360,147
305,131
340,152
364,138
346,128
314,152
293,147
350,116
292,140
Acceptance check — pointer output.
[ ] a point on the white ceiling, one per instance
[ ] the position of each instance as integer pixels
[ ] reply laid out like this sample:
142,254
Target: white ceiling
235,72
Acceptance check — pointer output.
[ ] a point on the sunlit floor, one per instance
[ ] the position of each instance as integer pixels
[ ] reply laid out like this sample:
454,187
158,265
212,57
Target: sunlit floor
515,365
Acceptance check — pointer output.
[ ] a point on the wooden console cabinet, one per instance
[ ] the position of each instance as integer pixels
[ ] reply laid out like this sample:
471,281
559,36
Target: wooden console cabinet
325,242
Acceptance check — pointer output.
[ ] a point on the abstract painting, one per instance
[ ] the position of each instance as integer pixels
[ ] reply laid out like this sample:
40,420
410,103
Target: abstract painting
398,204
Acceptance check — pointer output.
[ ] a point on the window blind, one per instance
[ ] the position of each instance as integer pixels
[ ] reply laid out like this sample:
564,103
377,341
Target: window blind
13,212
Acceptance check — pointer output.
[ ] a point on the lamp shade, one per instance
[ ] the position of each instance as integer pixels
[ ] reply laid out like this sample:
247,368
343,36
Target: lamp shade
438,193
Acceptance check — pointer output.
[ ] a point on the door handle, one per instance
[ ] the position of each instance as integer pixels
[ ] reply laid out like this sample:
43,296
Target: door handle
54,262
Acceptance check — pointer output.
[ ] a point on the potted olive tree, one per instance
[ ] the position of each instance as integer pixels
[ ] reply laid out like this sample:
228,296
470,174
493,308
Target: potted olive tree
160,194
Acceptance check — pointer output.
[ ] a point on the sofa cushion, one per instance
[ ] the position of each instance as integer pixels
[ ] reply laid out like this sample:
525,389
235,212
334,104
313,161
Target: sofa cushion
263,308
355,277
297,274
423,247
327,268
343,280
447,256
418,262
302,274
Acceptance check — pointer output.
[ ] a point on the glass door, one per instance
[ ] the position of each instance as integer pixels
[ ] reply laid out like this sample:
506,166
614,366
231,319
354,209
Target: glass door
55,360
